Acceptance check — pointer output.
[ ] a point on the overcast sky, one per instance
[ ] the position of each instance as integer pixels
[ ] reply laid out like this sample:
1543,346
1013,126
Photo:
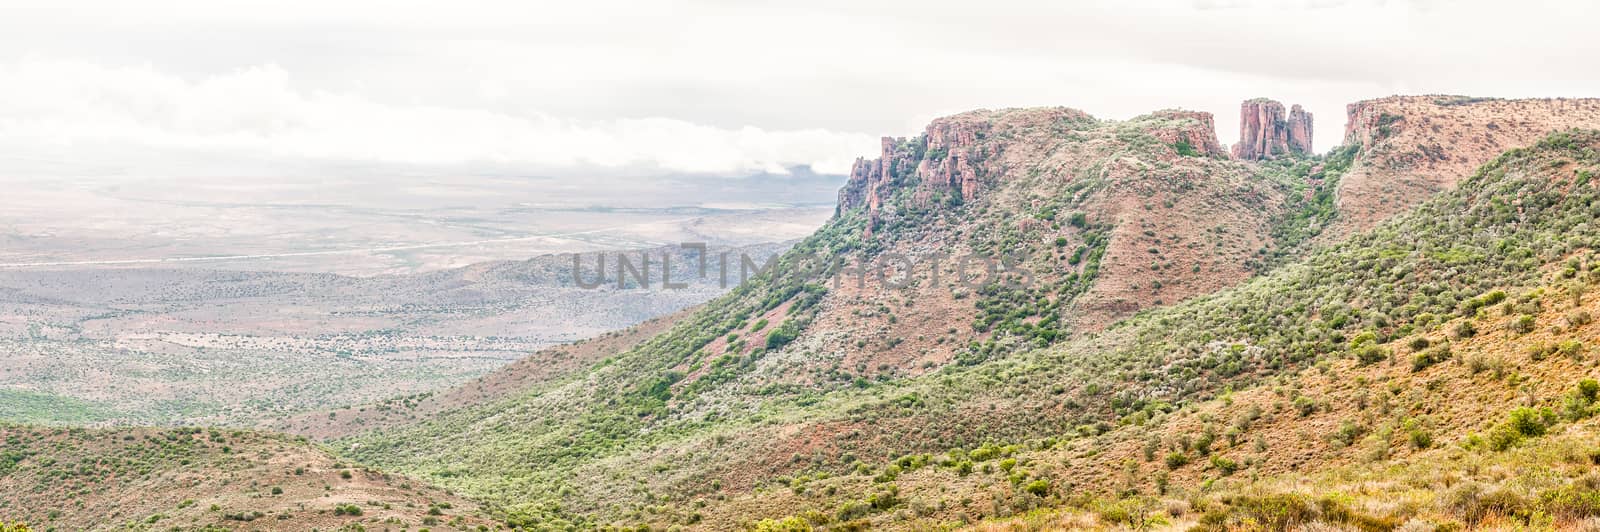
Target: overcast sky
618,89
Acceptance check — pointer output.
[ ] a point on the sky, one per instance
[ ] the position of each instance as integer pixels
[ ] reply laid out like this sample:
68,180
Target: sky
617,90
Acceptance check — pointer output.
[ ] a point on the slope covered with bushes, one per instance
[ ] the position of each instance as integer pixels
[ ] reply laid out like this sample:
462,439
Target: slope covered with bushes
661,452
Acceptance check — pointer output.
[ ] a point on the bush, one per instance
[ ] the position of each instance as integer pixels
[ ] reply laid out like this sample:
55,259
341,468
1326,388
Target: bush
1524,324
1521,423
787,524
1177,459
1304,405
1371,354
1202,445
1530,422
853,510
1425,359
347,509
782,335
1224,465
1571,348
1421,439
1348,432
1580,403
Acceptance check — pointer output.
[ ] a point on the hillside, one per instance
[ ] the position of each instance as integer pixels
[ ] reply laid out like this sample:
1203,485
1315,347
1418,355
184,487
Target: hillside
512,379
1112,217
191,479
1412,147
698,443
1152,205
1330,374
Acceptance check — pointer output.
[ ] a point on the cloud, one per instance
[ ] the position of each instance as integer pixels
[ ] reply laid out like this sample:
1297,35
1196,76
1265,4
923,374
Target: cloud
642,87
257,118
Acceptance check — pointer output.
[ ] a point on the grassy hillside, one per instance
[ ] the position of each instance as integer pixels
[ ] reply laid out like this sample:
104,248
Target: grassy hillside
1100,212
1415,146
192,479
1479,283
661,453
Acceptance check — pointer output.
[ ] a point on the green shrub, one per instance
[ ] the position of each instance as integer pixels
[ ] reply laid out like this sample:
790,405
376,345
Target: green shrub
1426,359
1371,354
1524,324
1224,465
853,510
1521,423
1348,432
1571,349
1420,439
787,524
1304,405
1177,459
1529,421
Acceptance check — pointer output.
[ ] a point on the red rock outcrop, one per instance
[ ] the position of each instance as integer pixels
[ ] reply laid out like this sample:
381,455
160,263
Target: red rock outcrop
944,158
1199,131
949,163
1300,130
1412,147
955,157
1267,132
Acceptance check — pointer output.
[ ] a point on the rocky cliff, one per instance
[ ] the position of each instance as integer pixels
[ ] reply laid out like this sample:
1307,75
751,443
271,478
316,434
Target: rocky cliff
1116,216
943,164
949,162
1300,130
1413,147
1267,132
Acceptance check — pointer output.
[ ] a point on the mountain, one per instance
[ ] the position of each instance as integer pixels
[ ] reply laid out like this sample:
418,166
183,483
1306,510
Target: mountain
1170,335
1106,217
1415,146
1436,327
703,425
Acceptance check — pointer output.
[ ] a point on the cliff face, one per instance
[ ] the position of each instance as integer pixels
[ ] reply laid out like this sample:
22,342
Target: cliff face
1267,132
1300,130
944,163
949,162
1111,216
1413,147
1195,128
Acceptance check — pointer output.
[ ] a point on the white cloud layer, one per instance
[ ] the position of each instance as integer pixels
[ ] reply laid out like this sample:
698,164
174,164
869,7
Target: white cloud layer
71,109
651,87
